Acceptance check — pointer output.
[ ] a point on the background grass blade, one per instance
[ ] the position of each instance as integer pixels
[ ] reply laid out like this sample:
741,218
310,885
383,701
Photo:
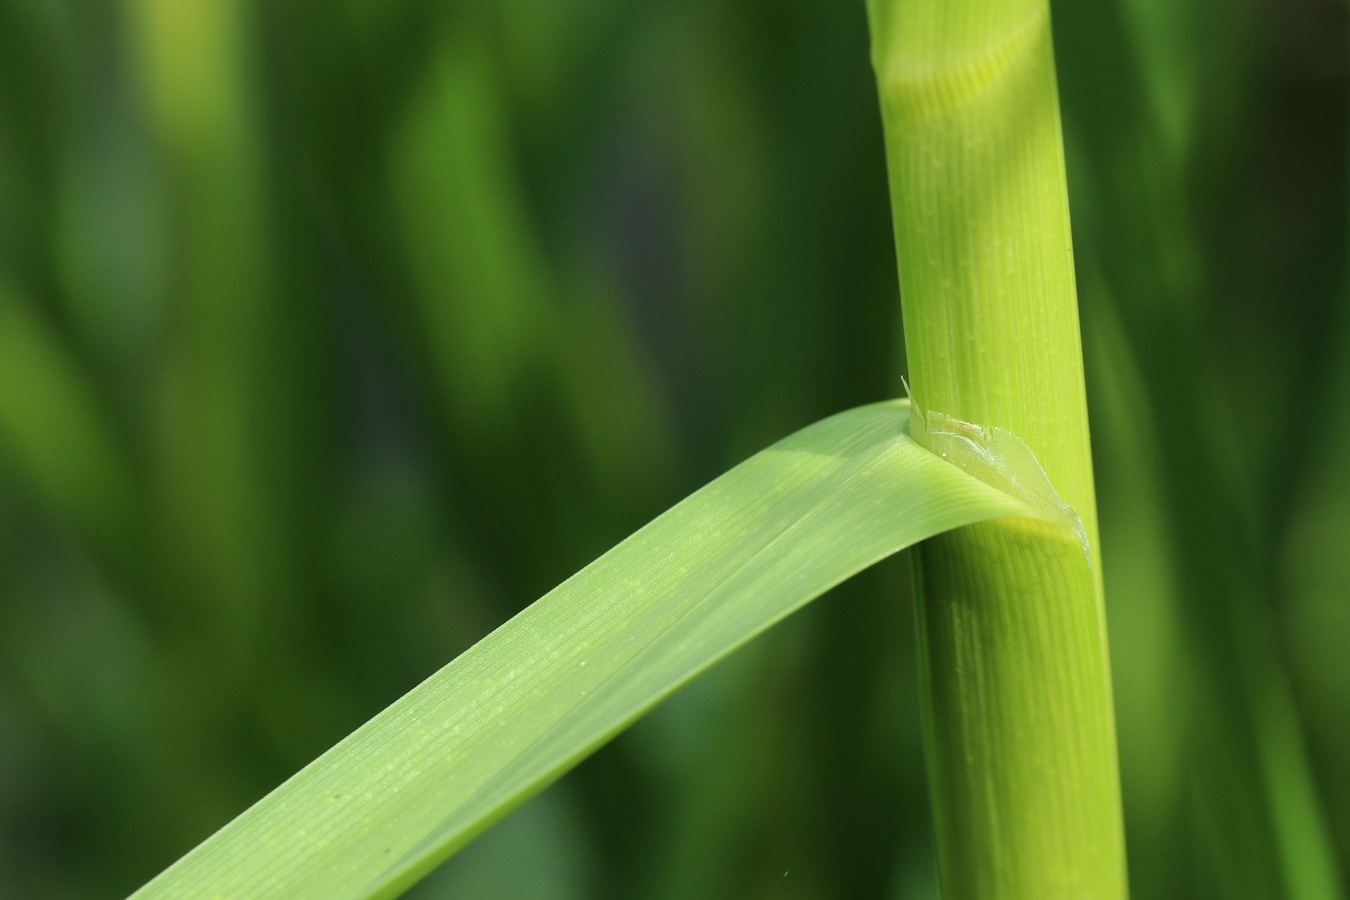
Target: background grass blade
1158,290
53,431
383,807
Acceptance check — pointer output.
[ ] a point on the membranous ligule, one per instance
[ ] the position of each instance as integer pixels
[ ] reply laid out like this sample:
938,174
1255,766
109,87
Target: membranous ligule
997,457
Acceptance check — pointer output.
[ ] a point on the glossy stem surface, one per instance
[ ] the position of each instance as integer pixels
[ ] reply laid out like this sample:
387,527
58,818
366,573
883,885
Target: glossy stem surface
1019,724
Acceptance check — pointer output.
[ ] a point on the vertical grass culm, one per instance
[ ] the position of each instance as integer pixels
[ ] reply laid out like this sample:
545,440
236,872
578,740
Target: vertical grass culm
1018,720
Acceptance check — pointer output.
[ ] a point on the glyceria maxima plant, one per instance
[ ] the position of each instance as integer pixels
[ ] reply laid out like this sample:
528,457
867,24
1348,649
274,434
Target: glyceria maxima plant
987,469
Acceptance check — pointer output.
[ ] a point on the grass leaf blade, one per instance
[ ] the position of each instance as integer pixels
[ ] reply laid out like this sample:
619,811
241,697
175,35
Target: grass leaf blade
422,778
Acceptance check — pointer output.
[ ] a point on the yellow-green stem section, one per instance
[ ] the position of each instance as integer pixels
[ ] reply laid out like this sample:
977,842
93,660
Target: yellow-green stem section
1019,725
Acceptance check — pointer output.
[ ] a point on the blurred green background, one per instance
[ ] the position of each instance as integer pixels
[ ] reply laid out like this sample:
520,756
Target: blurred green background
333,333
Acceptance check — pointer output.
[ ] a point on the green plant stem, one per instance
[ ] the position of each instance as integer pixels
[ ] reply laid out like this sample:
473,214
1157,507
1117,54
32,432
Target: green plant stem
1019,724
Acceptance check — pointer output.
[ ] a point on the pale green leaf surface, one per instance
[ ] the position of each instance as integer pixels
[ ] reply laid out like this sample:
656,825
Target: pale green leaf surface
417,782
